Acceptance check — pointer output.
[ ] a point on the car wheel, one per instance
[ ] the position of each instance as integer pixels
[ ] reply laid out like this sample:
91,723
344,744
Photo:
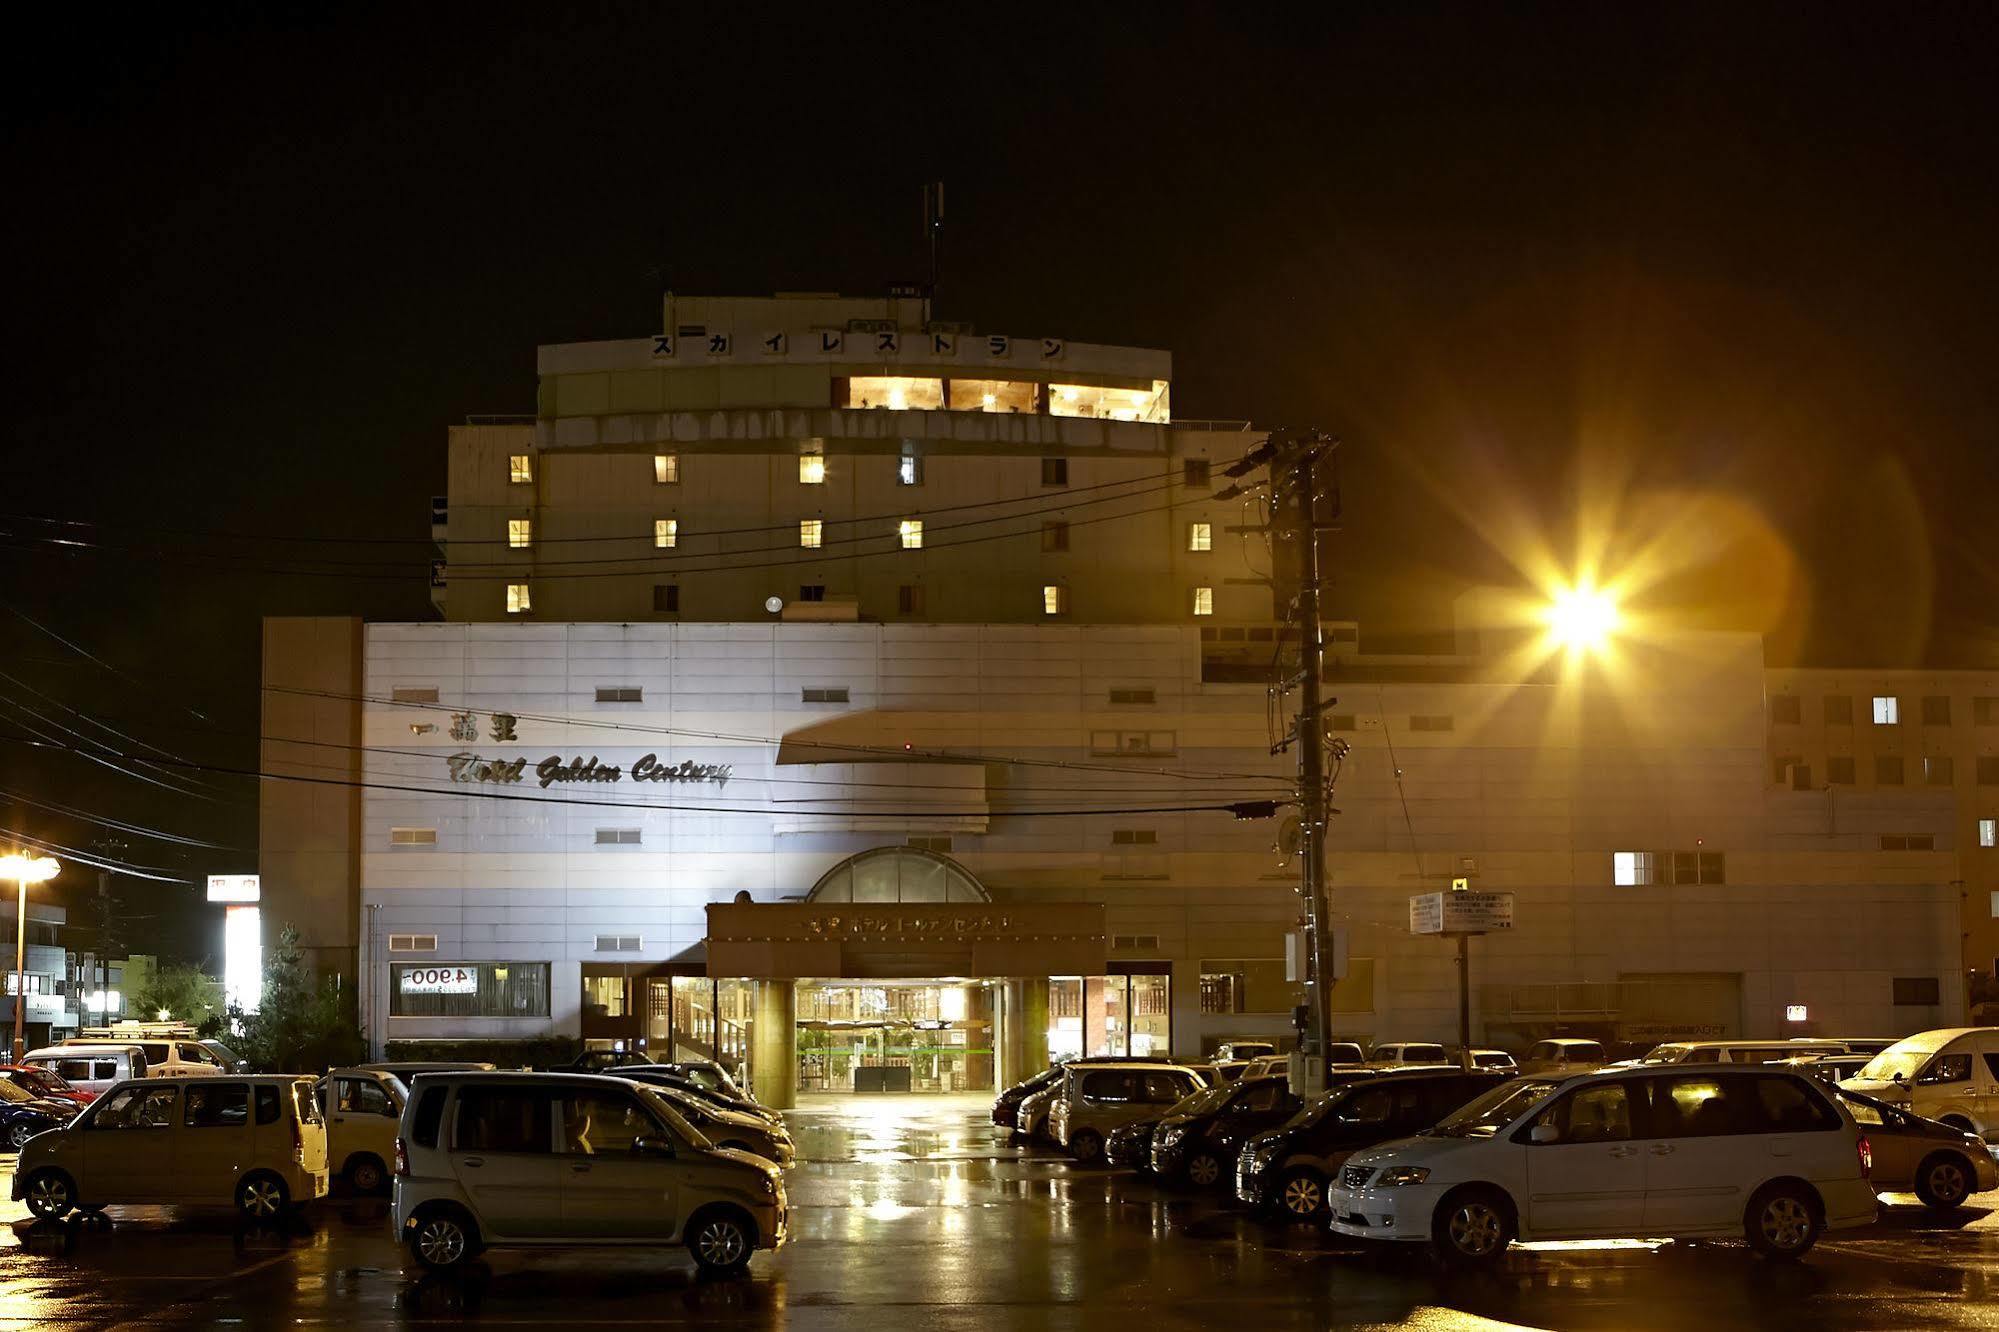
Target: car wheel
719,1241
19,1134
50,1194
1302,1195
1203,1170
1943,1181
365,1175
443,1239
1087,1148
1472,1227
1783,1221
262,1198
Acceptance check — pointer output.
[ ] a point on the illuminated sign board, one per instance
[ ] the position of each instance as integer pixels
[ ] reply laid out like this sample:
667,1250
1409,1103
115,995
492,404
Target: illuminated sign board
234,888
469,767
439,980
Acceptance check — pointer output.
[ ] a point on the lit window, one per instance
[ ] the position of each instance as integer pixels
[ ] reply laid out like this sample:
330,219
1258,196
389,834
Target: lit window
1054,599
666,533
898,393
520,533
1887,710
994,395
520,468
911,530
1633,868
517,599
1204,601
1116,404
1200,536
909,471
809,533
666,469
812,469
1988,832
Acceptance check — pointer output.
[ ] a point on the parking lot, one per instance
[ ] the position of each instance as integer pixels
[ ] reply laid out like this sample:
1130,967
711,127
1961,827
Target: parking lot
911,1212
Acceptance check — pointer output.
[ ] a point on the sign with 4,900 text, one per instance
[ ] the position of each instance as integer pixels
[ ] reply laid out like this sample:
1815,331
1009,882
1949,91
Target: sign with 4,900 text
440,980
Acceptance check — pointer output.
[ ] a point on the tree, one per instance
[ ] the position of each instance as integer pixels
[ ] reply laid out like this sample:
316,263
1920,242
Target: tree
184,993
299,1027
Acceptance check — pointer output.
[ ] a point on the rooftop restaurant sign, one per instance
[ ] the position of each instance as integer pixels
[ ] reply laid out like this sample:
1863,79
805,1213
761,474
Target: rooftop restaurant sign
553,770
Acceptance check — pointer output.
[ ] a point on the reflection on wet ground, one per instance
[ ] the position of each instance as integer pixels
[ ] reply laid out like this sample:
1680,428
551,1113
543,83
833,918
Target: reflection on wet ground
914,1212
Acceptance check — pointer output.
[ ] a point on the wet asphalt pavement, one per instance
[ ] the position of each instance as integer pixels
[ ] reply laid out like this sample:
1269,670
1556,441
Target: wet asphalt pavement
911,1212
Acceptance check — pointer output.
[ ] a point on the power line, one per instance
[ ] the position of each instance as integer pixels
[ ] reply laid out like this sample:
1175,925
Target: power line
118,825
476,794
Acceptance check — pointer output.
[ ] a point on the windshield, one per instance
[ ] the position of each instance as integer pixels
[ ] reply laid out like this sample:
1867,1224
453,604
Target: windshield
1667,1054
1202,1101
674,1120
1896,1061
11,1092
1496,1109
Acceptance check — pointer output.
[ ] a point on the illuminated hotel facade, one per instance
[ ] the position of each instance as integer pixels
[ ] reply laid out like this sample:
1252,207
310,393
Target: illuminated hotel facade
858,700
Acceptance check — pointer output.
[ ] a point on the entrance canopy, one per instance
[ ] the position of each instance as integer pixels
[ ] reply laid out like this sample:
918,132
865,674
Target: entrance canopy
898,874
794,940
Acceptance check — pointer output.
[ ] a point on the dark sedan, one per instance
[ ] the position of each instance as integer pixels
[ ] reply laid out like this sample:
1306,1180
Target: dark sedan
1007,1103
1198,1139
665,1075
23,1115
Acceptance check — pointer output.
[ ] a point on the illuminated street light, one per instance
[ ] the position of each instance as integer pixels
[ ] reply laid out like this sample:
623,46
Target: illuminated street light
24,868
1582,618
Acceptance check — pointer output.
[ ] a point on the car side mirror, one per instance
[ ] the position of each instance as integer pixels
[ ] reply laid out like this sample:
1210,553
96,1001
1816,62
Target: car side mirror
1542,1134
652,1144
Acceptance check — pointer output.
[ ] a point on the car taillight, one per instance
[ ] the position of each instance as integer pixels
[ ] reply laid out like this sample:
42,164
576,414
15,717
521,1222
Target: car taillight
1866,1150
298,1142
403,1158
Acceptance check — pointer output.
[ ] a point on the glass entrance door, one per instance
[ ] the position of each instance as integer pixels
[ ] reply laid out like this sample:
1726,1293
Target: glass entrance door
897,1036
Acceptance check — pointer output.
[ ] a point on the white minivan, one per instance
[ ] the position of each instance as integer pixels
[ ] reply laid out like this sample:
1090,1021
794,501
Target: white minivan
561,1159
1664,1151
1950,1075
95,1068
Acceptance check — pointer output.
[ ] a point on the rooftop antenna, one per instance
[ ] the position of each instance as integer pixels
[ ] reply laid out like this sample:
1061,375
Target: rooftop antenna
933,234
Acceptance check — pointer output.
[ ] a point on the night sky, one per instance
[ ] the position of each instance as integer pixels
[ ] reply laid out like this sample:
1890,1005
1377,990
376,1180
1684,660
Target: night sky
1725,283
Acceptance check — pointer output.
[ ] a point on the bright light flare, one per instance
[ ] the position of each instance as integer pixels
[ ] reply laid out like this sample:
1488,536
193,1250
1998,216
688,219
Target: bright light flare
28,868
1582,618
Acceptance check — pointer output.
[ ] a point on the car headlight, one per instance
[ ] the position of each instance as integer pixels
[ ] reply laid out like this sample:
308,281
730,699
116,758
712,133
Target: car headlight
769,1185
1395,1175
1261,1155
1170,1137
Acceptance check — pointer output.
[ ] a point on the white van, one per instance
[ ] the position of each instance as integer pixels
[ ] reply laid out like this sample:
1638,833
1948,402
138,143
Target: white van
169,1058
362,1107
254,1142
1950,1075
1738,1052
94,1068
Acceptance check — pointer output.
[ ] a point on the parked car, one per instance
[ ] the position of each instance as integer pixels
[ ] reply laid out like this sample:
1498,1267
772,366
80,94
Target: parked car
24,1114
168,1058
40,1081
362,1107
1197,1141
1007,1103
258,1143
710,1075
1563,1054
1494,1059
1292,1167
481,1159
1031,1118
1829,1069
1228,1070
409,1070
1408,1052
1950,1075
665,1075
599,1061
1864,1045
1736,1052
1663,1150
228,1058
1939,1164
1246,1047
1130,1147
92,1068
731,1129
1270,1066
1097,1099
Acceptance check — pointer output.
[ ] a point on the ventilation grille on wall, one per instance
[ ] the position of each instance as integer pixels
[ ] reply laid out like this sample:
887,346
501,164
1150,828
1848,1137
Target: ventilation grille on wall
828,695
620,694
1134,696
619,943
412,943
412,837
414,695
617,837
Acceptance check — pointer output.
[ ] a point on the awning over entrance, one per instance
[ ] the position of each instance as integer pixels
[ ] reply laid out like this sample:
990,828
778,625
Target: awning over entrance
791,940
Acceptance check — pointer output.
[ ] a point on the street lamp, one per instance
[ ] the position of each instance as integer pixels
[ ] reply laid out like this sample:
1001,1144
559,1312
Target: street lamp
1581,618
24,868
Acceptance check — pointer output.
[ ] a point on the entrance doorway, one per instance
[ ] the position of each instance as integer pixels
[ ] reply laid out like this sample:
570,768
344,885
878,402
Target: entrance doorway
898,1035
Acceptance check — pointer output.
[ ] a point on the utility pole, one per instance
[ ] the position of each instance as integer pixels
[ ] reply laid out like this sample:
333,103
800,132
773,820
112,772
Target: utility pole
1293,457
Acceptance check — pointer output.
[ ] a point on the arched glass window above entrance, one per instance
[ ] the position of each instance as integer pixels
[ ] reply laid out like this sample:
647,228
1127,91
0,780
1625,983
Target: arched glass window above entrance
898,874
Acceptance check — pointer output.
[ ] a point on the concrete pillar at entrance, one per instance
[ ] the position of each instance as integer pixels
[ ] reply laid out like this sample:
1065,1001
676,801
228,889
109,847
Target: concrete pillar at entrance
1012,1033
1027,1026
774,1044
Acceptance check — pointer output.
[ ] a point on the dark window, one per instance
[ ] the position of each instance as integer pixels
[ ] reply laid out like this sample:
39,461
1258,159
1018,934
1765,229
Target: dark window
1988,770
812,592
1264,1095
1992,1065
362,1096
1781,765
1194,472
1946,1068
429,1114
267,1105
1787,709
501,1119
1911,991
1887,770
1839,770
140,1107
1714,867
1801,777
217,1104
1106,1085
1600,1112
1938,770
1785,1105
1936,710
1163,1088
1055,536
1054,471
1838,710
666,598
599,1123
1985,710
1372,1106
470,989
909,599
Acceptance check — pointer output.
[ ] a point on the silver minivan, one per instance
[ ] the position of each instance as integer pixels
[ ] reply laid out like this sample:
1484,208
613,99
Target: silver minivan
568,1159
